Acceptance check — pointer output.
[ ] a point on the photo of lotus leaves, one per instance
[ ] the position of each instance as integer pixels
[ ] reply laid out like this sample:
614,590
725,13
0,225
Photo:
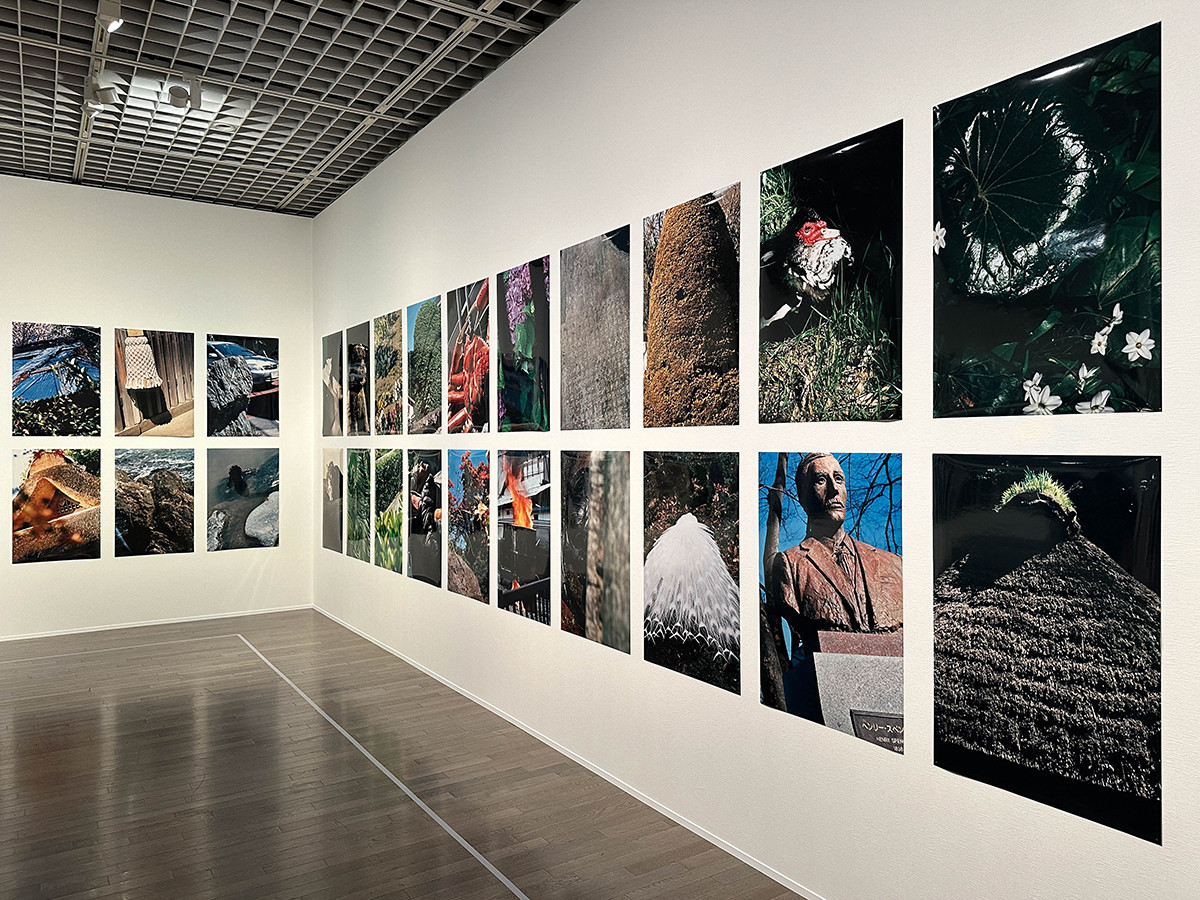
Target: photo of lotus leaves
1047,238
1047,631
692,617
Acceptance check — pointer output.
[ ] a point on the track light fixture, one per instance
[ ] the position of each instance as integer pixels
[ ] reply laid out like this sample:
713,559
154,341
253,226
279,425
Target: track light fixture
97,95
183,94
109,15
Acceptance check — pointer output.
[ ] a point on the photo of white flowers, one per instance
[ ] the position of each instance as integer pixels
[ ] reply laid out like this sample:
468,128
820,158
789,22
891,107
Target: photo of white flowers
1047,238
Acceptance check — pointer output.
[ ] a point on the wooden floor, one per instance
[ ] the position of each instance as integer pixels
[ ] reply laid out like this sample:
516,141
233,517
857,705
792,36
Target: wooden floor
173,761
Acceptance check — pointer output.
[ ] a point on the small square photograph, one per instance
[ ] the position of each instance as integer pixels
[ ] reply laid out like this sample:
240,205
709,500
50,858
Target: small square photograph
389,373
425,367
155,501
331,382
56,380
523,535
468,563
467,309
425,516
56,505
358,379
390,499
358,504
243,386
243,498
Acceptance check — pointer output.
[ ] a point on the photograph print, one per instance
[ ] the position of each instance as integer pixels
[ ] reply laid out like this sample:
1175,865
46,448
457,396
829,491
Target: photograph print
1047,631
470,359
831,618
333,487
56,380
424,330
594,332
692,616
595,546
425,516
56,505
390,496
1047,238
358,504
155,384
331,381
829,283
524,347
468,561
243,386
523,536
155,501
243,498
690,312
389,373
358,379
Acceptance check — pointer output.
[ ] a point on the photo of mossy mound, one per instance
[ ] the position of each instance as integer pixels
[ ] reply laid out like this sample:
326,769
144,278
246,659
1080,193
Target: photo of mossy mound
425,367
1047,238
390,494
1047,632
692,616
389,373
358,504
829,283
691,312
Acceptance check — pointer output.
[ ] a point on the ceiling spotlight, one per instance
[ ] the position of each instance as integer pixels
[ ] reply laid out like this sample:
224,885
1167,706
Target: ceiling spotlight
109,15
183,94
97,95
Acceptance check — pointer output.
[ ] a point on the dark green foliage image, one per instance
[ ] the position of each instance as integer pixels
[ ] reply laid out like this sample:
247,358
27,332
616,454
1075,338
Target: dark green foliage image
358,504
389,509
425,367
1047,238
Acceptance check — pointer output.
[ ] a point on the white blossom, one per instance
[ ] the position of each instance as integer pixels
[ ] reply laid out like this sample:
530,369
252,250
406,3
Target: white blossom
1043,403
1032,385
939,238
1138,345
1100,342
1098,404
1085,373
1117,315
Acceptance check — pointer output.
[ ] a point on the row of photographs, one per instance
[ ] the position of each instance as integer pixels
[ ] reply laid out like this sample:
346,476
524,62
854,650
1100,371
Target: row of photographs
57,383
1046,599
59,496
1047,284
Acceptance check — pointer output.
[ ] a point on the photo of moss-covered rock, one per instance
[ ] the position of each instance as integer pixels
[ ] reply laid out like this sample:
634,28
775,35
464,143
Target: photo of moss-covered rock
56,380
1047,631
1047,238
692,615
829,283
524,347
425,367
56,505
389,373
390,497
594,381
690,317
358,504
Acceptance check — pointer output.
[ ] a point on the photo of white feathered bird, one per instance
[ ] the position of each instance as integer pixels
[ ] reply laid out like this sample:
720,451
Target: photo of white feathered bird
690,594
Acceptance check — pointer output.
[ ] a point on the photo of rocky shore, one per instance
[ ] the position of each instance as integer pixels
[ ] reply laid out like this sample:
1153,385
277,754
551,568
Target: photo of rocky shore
243,498
155,501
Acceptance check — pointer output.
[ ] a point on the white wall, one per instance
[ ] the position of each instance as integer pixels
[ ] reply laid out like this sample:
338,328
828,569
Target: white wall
76,255
626,107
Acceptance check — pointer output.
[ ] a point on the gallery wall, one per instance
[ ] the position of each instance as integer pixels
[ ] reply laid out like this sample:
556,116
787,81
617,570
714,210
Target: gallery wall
626,108
79,256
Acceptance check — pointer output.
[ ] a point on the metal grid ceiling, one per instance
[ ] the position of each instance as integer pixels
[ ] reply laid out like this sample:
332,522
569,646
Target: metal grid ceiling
299,100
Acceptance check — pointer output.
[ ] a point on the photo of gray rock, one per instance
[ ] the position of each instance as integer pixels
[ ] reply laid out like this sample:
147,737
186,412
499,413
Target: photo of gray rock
243,386
243,498
155,501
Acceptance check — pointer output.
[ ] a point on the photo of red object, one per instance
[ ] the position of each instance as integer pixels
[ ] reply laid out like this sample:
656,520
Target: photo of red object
469,359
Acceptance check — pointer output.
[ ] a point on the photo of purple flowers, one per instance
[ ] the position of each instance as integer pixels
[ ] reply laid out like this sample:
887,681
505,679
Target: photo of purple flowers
524,345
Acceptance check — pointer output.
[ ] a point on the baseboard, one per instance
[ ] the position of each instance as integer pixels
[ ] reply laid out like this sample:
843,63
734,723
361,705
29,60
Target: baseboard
588,764
175,621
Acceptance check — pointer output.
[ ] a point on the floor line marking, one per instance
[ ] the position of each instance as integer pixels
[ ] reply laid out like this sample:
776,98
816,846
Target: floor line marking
207,637
396,781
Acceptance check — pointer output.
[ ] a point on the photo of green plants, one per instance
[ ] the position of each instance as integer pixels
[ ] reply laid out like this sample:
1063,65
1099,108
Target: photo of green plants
829,283
1047,238
56,380
389,509
358,504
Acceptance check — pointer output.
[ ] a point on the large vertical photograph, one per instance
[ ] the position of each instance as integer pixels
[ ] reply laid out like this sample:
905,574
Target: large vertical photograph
594,332
1047,238
692,616
690,312
358,504
358,380
331,385
243,498
468,558
333,489
829,283
831,614
523,533
390,499
1047,631
468,396
389,373
425,516
155,501
155,384
56,505
56,380
523,347
424,330
595,546
243,386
